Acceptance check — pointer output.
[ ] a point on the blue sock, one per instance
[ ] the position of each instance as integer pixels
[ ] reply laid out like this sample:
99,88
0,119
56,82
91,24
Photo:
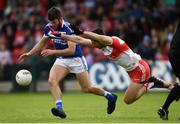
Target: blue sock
59,104
109,96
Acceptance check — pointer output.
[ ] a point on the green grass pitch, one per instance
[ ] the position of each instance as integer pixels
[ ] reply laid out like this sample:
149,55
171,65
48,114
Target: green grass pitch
82,108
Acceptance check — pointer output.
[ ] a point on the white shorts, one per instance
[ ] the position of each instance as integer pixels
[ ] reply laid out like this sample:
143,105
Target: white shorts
74,65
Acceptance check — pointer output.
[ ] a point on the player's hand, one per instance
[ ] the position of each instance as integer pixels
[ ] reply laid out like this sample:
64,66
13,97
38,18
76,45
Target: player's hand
24,56
77,30
56,33
47,52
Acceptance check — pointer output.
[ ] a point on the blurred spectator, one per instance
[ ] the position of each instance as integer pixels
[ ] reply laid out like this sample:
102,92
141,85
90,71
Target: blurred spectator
144,26
19,36
145,49
5,55
136,11
169,33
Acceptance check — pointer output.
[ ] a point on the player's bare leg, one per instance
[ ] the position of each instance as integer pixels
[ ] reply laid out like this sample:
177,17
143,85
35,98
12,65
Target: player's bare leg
134,92
57,73
87,87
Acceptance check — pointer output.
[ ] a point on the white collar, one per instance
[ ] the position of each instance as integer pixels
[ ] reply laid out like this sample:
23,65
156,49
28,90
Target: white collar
62,23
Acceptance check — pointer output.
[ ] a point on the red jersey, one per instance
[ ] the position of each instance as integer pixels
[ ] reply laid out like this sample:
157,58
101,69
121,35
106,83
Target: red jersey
120,53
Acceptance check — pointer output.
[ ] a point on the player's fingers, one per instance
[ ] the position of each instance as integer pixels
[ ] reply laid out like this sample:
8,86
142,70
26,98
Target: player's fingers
21,60
44,54
20,57
41,52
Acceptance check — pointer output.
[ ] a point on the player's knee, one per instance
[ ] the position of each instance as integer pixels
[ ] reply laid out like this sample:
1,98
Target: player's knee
87,89
52,82
128,101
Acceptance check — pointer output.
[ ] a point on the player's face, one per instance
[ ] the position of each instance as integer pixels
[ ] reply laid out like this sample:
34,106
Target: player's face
56,23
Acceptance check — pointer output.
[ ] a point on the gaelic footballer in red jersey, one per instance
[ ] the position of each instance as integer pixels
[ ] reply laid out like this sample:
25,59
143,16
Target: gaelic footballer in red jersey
119,52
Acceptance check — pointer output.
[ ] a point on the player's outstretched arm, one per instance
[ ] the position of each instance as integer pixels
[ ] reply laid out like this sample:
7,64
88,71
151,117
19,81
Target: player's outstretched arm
77,39
37,48
72,38
102,39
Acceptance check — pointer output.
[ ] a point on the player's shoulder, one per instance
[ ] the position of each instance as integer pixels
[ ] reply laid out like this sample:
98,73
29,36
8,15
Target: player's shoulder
66,23
47,25
67,26
46,28
116,38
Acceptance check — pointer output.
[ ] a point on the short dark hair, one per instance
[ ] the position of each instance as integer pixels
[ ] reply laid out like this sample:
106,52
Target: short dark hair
99,31
54,13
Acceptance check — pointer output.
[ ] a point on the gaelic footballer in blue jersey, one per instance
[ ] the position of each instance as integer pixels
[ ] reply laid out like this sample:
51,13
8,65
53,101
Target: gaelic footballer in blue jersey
69,60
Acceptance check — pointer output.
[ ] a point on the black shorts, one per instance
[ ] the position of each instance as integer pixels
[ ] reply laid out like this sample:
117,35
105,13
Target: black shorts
174,58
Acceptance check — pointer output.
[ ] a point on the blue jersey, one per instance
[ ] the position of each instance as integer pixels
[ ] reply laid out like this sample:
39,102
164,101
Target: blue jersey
60,43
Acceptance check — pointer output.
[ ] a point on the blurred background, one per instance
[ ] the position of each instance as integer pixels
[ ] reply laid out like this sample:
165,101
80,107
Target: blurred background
147,26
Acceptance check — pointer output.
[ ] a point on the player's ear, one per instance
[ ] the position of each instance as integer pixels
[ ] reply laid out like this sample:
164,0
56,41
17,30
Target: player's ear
60,19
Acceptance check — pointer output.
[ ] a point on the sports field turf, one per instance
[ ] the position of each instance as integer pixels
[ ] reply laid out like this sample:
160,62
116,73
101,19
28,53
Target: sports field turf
80,107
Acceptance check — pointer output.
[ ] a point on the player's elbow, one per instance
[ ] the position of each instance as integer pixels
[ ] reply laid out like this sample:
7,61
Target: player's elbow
103,38
70,52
